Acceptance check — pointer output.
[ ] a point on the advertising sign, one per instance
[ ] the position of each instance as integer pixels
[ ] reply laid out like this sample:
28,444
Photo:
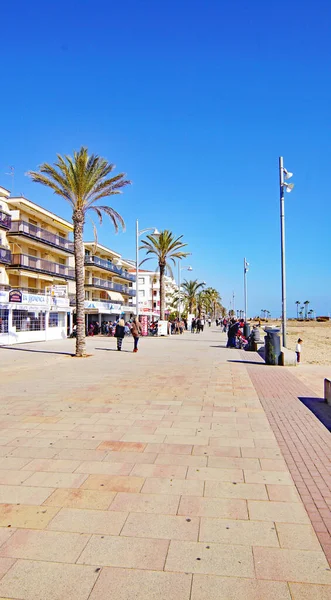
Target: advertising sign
15,296
162,328
144,324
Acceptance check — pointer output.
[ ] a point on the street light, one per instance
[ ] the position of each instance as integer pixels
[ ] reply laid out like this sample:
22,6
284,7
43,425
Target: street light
246,265
283,174
180,269
138,234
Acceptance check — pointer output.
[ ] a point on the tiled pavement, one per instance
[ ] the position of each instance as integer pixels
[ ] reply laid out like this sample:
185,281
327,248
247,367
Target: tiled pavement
154,475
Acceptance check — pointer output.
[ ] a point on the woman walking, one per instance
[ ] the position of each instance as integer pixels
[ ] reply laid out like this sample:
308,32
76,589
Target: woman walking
136,332
119,333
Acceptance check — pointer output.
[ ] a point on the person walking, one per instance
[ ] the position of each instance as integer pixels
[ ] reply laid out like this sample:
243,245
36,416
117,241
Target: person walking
120,333
202,324
136,332
209,322
298,350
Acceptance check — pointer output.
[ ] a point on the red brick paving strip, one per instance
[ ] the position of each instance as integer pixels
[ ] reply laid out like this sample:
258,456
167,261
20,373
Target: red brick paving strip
305,443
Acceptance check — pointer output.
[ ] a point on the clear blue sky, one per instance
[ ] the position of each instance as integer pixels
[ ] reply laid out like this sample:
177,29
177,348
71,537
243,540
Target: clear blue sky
194,100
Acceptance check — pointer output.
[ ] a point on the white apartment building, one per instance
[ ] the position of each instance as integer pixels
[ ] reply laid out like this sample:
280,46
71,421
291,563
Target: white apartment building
149,293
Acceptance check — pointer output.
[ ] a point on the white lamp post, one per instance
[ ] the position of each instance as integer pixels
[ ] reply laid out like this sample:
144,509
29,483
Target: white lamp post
180,269
138,234
283,174
246,265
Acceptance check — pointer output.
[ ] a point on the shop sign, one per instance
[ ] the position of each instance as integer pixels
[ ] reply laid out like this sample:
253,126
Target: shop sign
3,296
15,296
33,299
144,324
60,302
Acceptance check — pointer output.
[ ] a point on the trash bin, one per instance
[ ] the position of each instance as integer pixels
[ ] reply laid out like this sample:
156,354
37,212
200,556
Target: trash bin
272,346
247,330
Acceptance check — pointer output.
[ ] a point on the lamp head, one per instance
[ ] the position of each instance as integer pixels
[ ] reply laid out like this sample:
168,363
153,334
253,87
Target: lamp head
289,187
190,268
156,232
288,174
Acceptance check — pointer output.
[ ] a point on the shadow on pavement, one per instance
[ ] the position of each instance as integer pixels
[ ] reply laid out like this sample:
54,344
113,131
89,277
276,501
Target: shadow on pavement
37,351
320,409
112,350
247,362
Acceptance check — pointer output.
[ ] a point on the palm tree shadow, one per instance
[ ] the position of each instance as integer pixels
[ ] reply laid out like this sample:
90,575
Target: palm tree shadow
36,351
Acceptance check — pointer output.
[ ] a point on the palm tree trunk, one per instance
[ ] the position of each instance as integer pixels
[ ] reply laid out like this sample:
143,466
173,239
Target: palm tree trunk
162,270
78,220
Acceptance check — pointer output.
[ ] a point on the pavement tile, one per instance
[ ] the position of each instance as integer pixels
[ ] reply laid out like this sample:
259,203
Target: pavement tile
56,480
13,463
271,477
185,439
78,444
269,464
302,591
215,474
161,527
226,451
5,534
302,537
37,580
213,507
168,471
181,459
131,457
227,462
302,566
210,559
283,493
145,503
79,498
102,468
8,477
5,565
140,553
30,453
209,587
173,487
88,521
126,584
113,483
34,517
52,466
246,491
246,533
81,455
272,453
231,442
169,448
141,437
45,545
282,512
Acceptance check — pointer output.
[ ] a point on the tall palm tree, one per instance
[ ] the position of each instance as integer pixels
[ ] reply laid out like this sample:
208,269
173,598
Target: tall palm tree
82,181
189,292
166,248
298,302
306,304
213,300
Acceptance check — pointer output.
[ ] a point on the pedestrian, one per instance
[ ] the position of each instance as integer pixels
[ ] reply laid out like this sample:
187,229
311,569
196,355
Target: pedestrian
298,349
193,325
91,329
120,333
136,332
209,322
202,324
232,333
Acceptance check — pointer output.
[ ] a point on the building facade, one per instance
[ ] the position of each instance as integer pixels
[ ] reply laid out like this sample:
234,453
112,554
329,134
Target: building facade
34,272
149,293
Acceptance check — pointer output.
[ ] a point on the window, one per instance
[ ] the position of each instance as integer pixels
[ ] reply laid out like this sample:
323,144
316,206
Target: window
62,261
24,320
154,304
32,252
142,293
142,280
53,319
4,320
155,293
33,222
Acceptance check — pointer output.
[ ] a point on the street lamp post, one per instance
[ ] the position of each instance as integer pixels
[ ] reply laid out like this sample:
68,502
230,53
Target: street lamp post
138,234
246,265
180,269
283,174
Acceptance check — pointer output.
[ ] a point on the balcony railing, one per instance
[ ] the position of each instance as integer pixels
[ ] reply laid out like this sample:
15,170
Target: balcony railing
34,263
5,220
42,235
108,265
109,285
5,256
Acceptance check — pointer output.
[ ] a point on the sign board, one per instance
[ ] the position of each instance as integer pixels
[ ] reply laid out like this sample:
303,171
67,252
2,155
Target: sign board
58,291
162,328
15,296
33,299
144,324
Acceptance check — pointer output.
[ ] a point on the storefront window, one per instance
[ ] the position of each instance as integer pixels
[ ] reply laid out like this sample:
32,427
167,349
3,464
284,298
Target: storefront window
24,320
53,319
4,320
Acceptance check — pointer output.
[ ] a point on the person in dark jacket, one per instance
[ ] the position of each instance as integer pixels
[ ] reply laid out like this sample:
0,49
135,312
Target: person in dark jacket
120,333
136,332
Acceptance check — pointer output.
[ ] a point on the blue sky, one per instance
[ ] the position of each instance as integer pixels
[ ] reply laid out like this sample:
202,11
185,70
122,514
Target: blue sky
194,100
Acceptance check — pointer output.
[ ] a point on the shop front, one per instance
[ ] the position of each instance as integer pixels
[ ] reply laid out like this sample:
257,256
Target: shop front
28,317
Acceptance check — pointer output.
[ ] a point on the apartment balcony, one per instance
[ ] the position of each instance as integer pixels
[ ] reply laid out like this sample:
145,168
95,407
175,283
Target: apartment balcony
5,220
40,265
108,266
22,228
5,256
110,286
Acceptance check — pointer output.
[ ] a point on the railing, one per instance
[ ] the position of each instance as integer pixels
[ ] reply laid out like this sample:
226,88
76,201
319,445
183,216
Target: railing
5,219
5,256
108,265
109,285
37,233
40,264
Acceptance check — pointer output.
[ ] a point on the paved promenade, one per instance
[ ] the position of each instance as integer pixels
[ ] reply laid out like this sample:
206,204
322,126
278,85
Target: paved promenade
162,475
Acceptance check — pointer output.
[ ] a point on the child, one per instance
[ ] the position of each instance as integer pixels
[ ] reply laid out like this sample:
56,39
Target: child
298,349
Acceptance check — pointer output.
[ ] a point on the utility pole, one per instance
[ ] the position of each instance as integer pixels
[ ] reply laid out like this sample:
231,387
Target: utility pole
282,246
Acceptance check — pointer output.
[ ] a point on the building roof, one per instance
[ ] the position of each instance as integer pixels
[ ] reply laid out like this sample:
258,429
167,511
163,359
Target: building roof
17,201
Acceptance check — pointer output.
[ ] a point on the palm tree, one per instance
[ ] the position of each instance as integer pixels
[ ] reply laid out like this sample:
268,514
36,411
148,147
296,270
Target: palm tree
213,300
82,181
298,302
165,247
189,292
306,304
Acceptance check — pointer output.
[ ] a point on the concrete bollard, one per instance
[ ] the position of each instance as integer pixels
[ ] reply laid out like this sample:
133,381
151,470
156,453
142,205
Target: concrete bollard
327,390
